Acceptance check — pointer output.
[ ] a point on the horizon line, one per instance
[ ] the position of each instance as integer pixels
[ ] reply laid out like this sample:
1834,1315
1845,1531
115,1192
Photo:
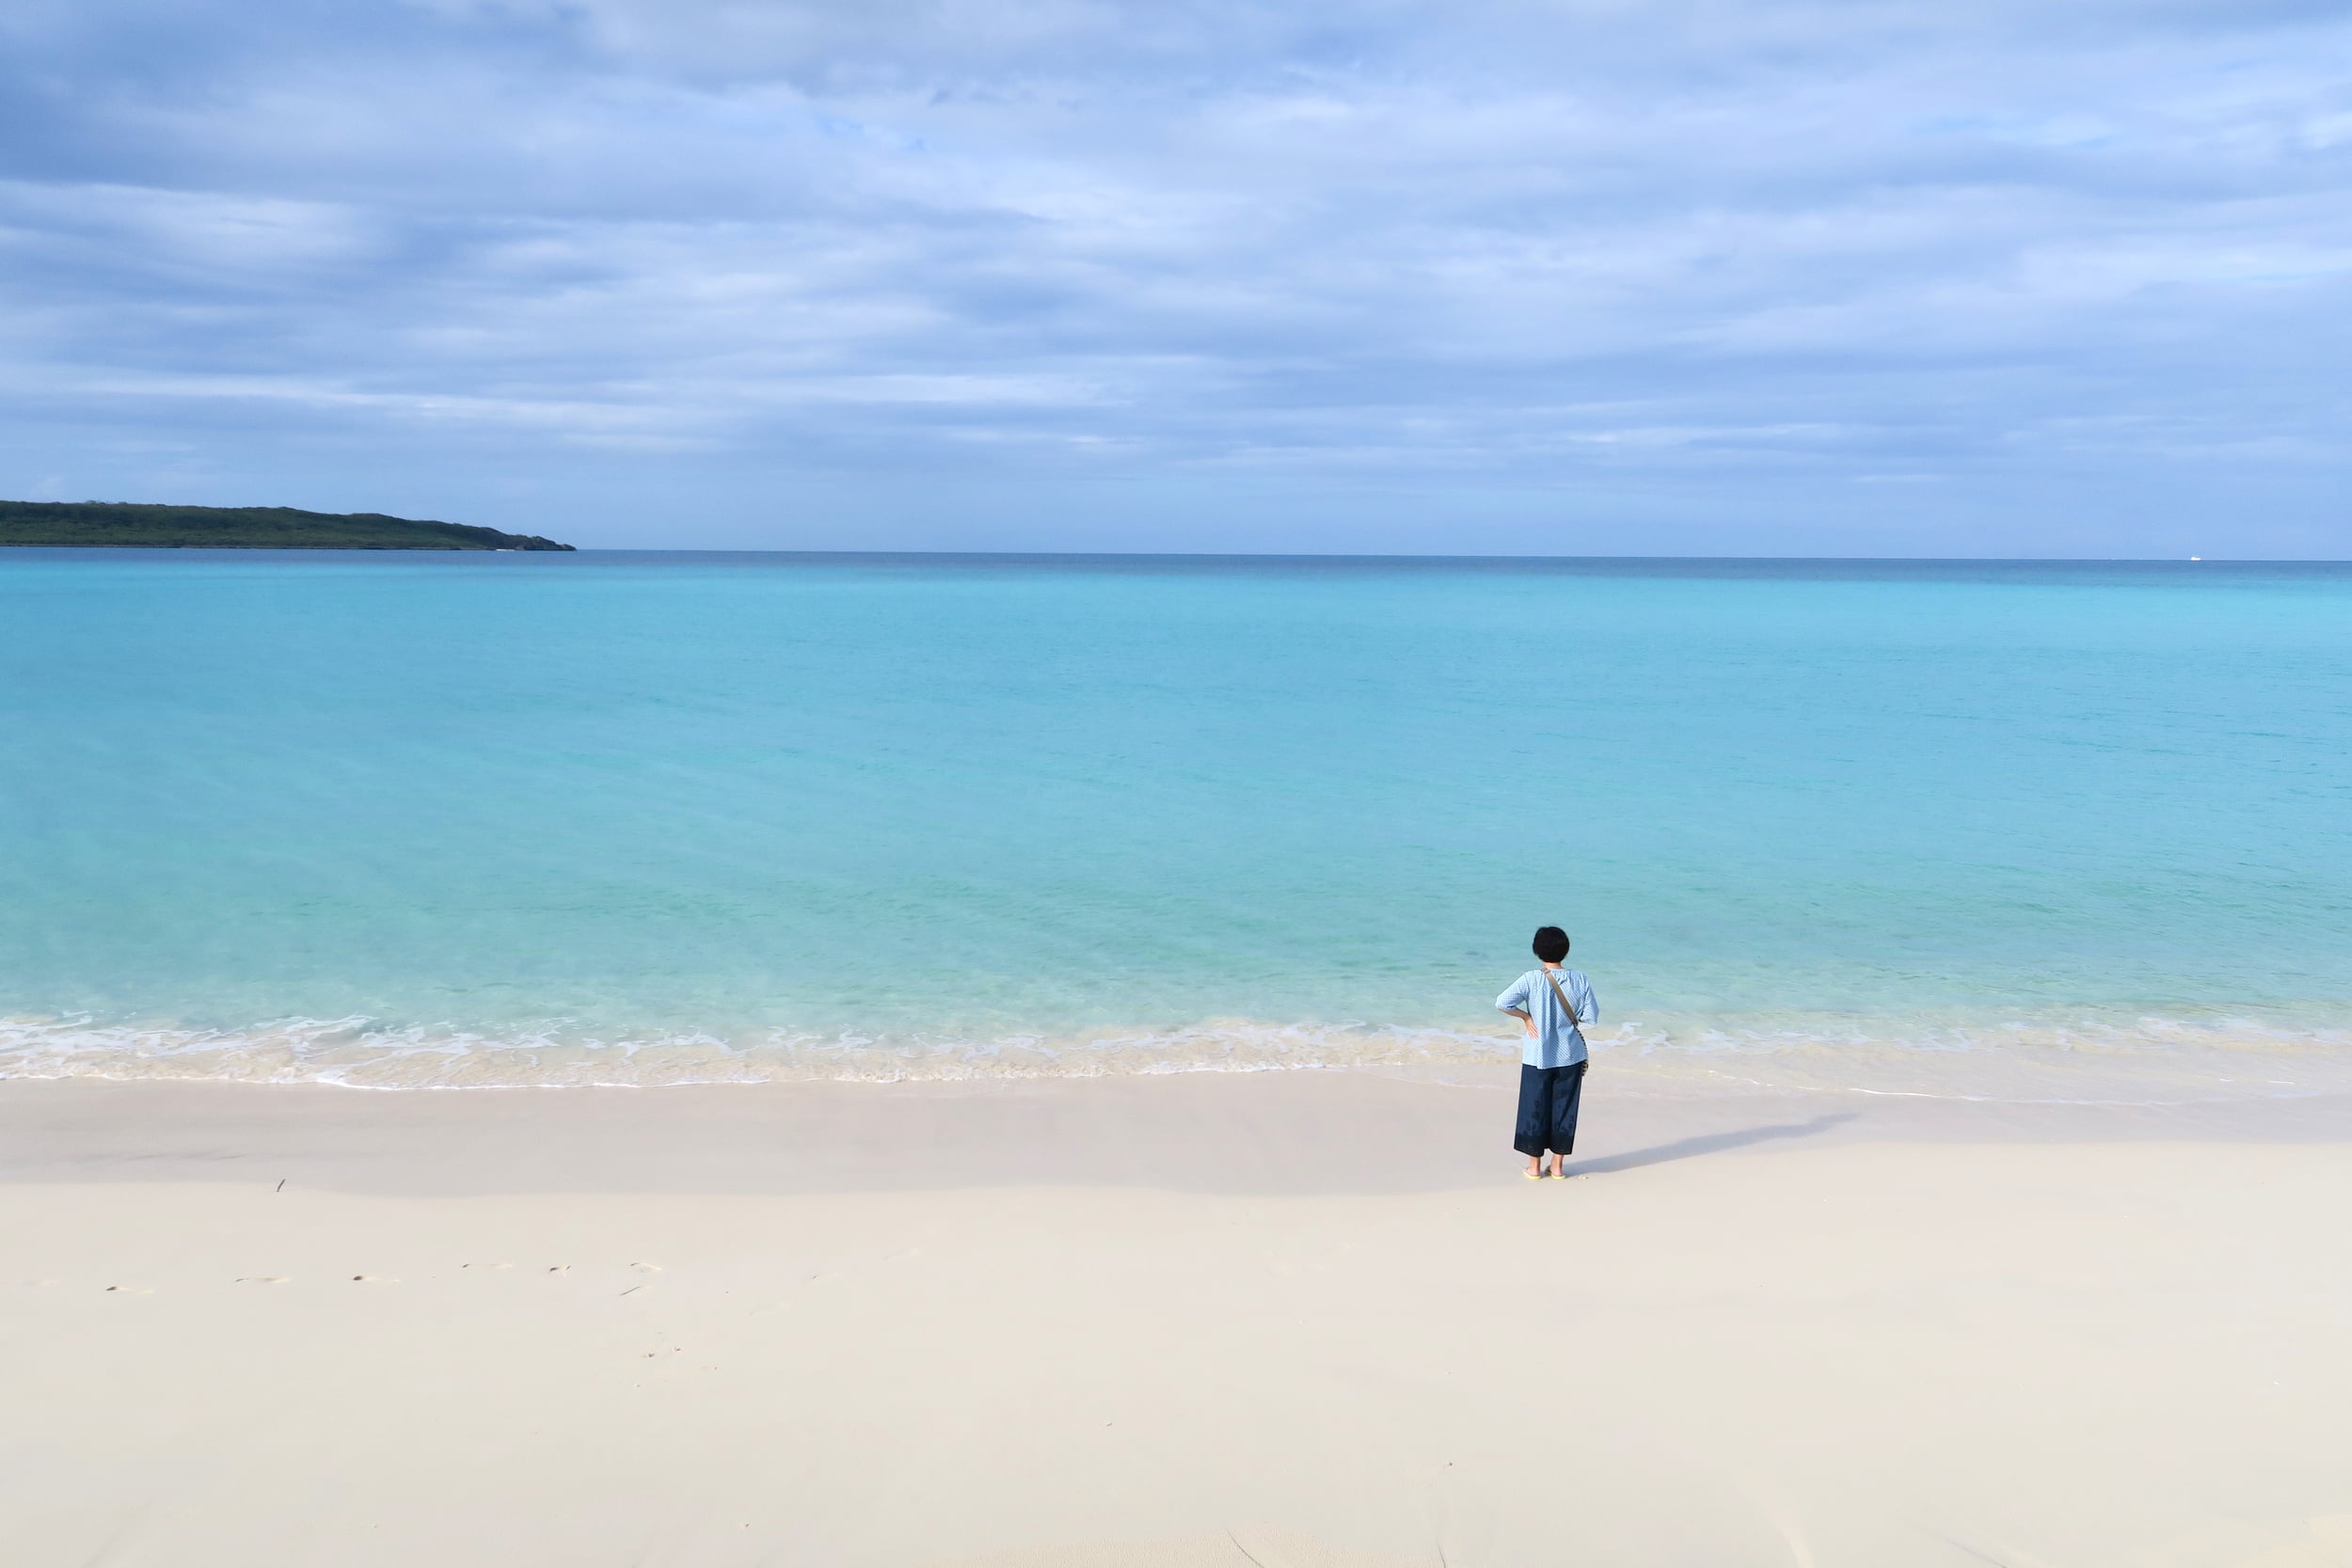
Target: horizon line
1232,557
1453,557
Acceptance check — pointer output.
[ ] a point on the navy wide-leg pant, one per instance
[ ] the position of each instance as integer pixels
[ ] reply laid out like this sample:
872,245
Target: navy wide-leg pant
1548,1105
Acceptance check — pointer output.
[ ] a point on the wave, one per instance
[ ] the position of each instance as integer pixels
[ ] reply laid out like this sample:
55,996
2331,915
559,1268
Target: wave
2147,1060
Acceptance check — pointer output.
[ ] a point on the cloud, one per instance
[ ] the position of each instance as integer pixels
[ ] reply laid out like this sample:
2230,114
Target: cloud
1597,275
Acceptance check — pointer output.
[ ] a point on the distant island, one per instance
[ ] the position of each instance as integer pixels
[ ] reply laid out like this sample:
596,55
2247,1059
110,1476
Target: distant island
125,525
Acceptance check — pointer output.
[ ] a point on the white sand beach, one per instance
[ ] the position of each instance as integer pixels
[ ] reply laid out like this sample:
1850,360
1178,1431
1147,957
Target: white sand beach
1289,1319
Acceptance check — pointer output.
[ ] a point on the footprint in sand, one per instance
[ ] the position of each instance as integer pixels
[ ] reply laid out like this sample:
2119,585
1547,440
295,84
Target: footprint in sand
560,1268
373,1279
133,1289
646,1268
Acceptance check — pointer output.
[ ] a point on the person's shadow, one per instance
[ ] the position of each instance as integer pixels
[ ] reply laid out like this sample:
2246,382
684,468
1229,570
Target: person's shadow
1710,1143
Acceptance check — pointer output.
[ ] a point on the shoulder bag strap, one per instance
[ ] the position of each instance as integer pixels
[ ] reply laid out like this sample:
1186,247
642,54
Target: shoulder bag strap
1566,1005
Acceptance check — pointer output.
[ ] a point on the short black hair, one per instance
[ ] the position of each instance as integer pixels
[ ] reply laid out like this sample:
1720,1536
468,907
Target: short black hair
1551,944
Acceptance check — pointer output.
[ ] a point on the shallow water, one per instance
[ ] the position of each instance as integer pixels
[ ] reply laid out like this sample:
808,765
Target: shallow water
2038,830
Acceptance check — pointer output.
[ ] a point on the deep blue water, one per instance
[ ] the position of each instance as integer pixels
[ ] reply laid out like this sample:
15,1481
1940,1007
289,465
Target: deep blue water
614,816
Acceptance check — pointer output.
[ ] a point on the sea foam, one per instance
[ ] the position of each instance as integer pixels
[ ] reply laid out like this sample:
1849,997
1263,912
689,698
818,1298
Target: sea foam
2149,1061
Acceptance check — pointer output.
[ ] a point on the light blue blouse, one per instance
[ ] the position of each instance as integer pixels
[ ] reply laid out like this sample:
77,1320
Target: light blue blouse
1558,1041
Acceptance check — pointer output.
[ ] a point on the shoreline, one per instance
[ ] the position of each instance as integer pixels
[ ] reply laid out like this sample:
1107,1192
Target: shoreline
1929,1049
1321,1131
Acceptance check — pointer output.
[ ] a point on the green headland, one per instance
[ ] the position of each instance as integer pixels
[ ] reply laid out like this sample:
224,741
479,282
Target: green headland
124,525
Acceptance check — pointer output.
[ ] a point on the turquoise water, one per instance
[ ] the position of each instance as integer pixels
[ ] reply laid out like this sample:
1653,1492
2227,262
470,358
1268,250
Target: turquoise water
641,817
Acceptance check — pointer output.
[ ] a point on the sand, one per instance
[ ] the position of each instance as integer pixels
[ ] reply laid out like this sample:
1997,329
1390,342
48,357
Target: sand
1303,1320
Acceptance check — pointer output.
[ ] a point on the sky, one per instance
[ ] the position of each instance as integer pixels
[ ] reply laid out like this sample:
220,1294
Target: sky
1885,277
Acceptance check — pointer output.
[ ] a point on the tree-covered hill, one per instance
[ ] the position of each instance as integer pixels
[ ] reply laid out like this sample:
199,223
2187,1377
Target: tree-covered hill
131,526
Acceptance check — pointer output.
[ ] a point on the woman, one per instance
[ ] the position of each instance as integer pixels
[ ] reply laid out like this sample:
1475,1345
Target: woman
1549,1003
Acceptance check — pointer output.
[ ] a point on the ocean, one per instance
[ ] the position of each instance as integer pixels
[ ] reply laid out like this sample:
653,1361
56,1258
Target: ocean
1994,830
